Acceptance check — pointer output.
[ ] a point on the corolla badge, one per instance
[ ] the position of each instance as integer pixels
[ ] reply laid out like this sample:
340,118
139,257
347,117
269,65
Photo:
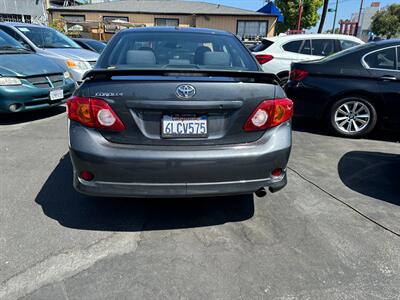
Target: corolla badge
185,91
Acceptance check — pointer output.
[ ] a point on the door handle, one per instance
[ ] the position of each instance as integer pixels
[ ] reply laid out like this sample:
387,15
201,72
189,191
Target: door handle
388,77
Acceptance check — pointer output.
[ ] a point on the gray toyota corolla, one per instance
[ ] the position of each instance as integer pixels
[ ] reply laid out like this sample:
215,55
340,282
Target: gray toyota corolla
178,112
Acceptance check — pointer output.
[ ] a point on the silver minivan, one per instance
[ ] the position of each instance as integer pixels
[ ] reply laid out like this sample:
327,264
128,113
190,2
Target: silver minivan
53,44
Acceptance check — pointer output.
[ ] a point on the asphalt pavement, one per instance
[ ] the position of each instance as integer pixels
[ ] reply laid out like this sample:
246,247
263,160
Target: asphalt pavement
332,233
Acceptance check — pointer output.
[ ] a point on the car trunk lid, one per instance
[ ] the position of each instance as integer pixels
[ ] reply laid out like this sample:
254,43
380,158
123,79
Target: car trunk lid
146,100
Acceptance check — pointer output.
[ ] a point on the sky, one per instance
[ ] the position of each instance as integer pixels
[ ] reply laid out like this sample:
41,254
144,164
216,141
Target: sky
345,8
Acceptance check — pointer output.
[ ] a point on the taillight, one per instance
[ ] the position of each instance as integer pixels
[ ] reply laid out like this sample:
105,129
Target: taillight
298,75
269,113
263,58
93,112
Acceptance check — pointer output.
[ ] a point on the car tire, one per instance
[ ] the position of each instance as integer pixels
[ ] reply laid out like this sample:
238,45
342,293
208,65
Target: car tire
353,117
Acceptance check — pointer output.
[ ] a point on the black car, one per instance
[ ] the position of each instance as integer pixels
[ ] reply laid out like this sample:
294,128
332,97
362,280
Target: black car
354,90
90,44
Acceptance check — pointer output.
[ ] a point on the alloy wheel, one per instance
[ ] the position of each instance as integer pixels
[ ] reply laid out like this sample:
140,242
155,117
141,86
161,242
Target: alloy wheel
352,117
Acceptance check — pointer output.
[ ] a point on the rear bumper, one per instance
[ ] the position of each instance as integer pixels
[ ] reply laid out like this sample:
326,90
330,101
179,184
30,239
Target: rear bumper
166,190
174,171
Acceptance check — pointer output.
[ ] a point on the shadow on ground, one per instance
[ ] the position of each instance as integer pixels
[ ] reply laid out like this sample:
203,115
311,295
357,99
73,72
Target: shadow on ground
29,116
60,202
373,174
319,127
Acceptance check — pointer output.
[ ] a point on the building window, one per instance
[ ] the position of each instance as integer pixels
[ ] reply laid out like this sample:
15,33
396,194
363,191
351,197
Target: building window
73,18
73,21
252,29
113,24
166,22
15,18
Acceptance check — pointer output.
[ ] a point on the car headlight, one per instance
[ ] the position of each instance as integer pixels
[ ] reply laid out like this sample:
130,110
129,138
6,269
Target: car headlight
66,75
10,81
77,64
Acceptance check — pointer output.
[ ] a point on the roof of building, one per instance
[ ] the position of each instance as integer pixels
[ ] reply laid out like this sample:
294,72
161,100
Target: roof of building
177,29
162,7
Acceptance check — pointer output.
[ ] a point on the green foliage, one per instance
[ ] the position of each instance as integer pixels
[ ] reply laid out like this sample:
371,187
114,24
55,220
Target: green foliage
290,10
58,24
61,26
330,31
387,22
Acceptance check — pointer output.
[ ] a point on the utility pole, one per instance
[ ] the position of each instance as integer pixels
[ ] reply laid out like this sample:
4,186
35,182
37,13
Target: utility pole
300,13
359,17
334,18
323,16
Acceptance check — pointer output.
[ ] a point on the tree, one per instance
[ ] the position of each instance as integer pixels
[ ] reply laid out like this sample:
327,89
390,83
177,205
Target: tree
290,10
58,24
324,11
337,31
61,26
387,22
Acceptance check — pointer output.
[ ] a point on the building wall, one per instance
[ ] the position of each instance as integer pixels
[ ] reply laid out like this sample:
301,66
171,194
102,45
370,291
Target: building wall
366,20
33,8
228,23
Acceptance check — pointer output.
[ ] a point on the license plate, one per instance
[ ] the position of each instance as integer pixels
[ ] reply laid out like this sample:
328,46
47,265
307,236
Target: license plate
184,126
56,95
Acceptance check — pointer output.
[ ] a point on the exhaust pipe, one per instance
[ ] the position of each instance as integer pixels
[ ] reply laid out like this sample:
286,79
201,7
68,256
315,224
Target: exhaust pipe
261,193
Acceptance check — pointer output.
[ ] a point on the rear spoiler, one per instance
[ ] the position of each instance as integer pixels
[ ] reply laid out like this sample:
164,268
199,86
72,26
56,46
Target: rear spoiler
259,77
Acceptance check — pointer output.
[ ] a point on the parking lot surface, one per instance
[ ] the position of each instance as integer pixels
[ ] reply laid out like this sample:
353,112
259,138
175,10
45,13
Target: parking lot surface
332,233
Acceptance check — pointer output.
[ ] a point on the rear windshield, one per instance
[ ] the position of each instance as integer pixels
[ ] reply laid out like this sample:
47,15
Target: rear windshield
262,46
156,50
96,45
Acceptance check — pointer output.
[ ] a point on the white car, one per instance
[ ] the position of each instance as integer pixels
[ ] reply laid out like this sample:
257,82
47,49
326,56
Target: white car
276,54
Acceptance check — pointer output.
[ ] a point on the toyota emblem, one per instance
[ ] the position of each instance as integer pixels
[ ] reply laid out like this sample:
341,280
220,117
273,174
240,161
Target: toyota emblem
185,91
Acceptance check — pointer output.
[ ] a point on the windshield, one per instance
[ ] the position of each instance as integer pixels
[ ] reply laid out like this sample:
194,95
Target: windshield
165,49
44,37
7,43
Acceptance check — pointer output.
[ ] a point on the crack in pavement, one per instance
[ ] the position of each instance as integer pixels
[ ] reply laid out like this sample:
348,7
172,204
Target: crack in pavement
63,265
343,202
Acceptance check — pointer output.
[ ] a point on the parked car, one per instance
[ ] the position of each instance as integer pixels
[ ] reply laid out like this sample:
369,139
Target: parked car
90,44
353,90
275,54
175,112
29,81
251,44
53,44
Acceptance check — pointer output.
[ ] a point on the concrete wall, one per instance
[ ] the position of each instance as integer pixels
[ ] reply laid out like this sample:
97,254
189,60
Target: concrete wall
34,8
